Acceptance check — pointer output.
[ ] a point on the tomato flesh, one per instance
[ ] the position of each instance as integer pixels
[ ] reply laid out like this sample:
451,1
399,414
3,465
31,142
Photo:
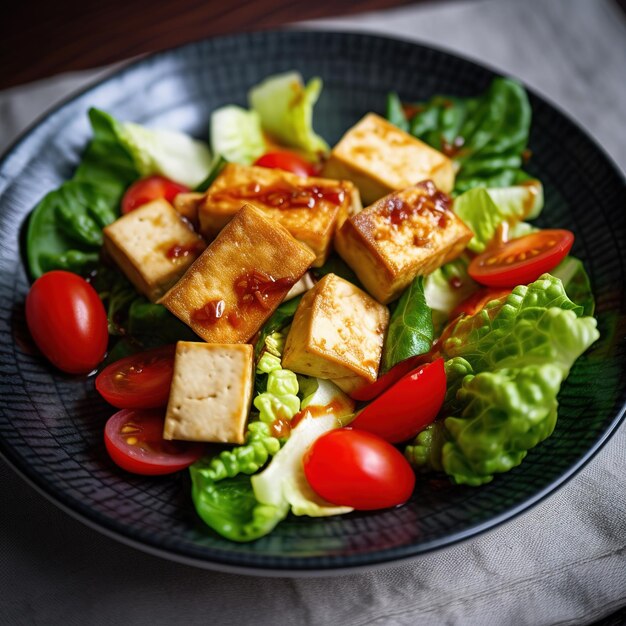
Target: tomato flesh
134,441
151,188
521,261
138,381
67,321
288,161
408,407
358,469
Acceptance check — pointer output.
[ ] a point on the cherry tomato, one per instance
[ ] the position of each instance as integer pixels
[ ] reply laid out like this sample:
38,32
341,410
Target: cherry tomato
148,189
67,321
138,381
408,407
476,302
289,161
371,391
520,261
355,468
134,440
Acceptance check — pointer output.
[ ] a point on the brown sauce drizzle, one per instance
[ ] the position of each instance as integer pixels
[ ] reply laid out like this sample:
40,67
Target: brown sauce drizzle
283,195
256,288
433,201
181,251
210,313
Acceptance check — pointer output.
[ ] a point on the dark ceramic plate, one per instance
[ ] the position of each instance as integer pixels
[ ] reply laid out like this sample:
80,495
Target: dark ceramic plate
51,424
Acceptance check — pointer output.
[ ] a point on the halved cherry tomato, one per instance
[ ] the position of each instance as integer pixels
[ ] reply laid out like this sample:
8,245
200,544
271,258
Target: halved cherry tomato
148,189
520,261
371,391
355,468
134,440
476,302
138,381
67,321
408,407
286,160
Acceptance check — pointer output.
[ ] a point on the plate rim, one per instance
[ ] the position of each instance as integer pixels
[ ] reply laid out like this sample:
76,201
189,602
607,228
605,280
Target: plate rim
374,560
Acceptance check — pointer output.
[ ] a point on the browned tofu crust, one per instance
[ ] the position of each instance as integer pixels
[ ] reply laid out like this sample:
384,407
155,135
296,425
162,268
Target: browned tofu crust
379,158
405,234
240,279
153,246
311,209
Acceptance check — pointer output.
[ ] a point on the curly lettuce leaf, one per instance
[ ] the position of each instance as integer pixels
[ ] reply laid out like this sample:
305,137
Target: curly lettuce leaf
576,283
411,330
504,370
285,107
236,134
222,493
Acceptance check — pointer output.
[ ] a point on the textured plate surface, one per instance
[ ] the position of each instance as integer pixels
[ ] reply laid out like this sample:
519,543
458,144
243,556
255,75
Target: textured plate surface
51,425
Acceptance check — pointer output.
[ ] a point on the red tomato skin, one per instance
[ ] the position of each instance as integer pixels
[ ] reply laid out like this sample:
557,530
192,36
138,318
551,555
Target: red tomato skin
67,321
134,458
494,274
148,189
350,467
408,407
138,381
373,390
288,161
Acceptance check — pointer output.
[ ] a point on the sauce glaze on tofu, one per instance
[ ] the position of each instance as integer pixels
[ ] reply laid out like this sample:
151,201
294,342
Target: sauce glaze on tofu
405,234
337,333
240,279
311,209
153,246
380,158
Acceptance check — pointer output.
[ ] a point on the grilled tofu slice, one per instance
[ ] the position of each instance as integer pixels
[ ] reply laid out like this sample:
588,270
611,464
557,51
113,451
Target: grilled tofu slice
240,279
211,392
311,209
153,247
403,235
337,333
380,158
187,205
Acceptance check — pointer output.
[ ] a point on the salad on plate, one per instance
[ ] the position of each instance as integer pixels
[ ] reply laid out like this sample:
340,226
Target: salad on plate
308,329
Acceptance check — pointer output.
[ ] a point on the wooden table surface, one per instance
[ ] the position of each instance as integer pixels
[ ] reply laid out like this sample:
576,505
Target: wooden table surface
39,38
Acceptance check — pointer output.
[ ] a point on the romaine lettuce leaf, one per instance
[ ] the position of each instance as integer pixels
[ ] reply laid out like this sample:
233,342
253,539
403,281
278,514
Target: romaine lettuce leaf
236,134
285,106
504,370
174,155
575,281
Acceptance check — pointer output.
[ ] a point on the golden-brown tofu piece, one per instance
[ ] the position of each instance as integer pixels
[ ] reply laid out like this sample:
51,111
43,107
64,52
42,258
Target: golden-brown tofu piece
403,235
311,209
240,279
211,392
153,246
187,205
380,158
337,333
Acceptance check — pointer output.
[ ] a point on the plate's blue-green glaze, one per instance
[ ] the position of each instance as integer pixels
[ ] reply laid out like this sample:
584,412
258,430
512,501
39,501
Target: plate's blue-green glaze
51,425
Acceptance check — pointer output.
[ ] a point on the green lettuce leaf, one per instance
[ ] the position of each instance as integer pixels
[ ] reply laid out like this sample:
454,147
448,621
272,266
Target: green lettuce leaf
65,228
174,155
483,210
571,273
488,134
236,134
216,169
504,370
285,107
280,319
283,482
222,493
411,330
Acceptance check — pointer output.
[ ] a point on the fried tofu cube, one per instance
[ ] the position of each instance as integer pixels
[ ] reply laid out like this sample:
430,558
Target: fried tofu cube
311,209
187,205
403,235
153,247
380,158
240,279
337,333
211,392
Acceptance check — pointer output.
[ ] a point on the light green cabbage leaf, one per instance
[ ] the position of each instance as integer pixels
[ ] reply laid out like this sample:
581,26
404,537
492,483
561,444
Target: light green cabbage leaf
236,134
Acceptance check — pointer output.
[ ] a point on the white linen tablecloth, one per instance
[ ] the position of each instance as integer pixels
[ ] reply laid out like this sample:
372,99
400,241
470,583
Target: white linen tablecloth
563,562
